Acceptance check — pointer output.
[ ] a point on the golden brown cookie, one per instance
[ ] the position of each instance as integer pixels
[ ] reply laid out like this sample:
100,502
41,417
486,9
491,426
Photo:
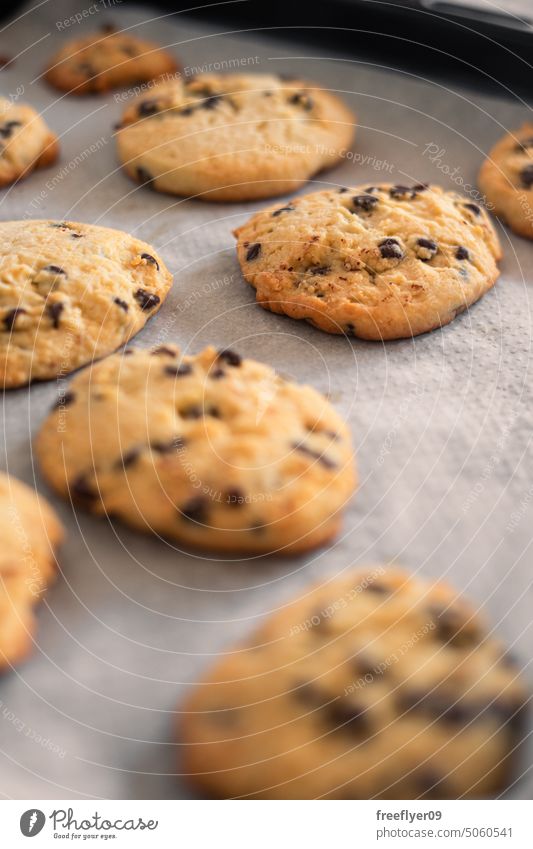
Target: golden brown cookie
71,293
506,179
106,60
210,450
233,137
377,262
373,685
26,142
30,533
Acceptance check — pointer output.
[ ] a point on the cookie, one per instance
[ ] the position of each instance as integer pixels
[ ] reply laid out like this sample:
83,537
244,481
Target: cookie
506,179
71,293
232,137
30,533
210,450
377,262
105,60
375,684
26,142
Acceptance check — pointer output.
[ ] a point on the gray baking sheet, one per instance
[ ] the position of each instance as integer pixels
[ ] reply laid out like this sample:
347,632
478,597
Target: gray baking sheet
442,423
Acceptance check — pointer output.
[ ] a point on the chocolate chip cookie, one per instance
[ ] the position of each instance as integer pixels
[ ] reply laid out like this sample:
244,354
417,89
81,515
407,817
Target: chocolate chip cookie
373,685
506,179
26,142
377,262
106,60
233,137
210,450
71,293
30,532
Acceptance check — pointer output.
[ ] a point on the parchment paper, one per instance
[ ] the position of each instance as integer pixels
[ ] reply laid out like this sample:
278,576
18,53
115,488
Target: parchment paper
442,423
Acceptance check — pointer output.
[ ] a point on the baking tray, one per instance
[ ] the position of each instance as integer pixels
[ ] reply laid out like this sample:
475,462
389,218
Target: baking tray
442,423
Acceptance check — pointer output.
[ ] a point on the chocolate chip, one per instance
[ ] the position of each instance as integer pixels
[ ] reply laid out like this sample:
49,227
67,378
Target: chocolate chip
526,175
431,785
378,588
462,253
363,666
211,101
86,69
122,304
54,311
316,455
150,259
128,458
399,192
235,497
146,300
473,207
524,144
195,510
11,317
253,251
342,190
320,270
390,249
54,269
178,371
365,202
217,373
194,412
64,400
302,99
82,490
350,328
426,249
287,208
148,107
175,444
230,357
6,130
188,110
348,718
163,350
452,628
144,176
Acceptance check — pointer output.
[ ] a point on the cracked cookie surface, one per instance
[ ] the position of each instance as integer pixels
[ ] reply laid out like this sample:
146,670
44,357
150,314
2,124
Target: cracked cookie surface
26,142
234,137
30,532
377,262
373,685
210,450
71,293
506,179
106,60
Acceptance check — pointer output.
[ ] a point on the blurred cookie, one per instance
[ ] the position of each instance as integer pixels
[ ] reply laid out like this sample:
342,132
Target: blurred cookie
373,685
234,137
26,142
506,179
30,532
106,60
210,450
377,262
71,293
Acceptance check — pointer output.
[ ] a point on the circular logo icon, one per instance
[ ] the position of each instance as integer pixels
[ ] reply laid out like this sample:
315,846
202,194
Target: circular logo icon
32,822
